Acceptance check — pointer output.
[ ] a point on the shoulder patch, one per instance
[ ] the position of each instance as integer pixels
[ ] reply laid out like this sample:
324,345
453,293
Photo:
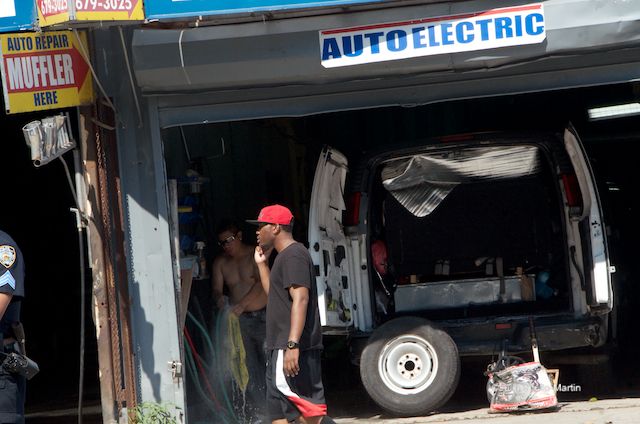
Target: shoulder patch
7,278
7,255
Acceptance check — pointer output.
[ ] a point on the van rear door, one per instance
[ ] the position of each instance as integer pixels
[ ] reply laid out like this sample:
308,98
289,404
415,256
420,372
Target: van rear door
327,242
592,229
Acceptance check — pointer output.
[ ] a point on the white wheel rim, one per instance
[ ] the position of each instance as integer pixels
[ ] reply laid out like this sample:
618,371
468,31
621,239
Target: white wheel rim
408,364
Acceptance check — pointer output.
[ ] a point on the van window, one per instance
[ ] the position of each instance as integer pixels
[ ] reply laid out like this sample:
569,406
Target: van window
483,213
421,182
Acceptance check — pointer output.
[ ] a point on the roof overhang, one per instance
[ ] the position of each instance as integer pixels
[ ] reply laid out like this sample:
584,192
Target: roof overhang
588,42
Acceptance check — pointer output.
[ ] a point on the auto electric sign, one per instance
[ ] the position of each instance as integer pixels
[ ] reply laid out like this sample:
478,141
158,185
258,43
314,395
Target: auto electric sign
44,71
510,26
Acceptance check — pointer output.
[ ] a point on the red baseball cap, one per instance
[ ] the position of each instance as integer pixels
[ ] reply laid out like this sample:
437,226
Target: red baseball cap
273,214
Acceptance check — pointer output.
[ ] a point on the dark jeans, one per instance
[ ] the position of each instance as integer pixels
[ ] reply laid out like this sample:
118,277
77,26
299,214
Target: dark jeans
253,327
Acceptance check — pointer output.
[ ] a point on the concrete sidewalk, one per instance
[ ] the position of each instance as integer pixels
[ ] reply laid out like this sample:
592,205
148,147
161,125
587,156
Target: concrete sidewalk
608,411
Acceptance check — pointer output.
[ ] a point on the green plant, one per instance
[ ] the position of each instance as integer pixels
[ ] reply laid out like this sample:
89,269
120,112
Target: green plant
153,413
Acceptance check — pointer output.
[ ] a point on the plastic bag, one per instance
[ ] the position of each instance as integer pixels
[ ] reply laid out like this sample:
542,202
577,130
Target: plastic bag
521,387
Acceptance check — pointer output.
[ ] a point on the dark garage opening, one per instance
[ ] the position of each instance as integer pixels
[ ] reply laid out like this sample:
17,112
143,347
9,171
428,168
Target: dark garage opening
36,214
246,164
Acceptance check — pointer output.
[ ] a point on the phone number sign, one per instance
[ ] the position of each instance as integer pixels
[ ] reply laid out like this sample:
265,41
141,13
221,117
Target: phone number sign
44,71
51,12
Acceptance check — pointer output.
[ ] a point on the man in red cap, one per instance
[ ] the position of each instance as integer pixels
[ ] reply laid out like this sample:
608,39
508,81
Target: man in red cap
294,336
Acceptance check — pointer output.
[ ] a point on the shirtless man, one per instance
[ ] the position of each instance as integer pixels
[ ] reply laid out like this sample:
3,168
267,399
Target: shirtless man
237,270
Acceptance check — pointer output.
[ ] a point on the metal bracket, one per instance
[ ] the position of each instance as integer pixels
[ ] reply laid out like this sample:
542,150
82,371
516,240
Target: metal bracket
176,369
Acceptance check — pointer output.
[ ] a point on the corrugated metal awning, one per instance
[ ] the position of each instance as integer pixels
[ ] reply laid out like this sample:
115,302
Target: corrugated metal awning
588,42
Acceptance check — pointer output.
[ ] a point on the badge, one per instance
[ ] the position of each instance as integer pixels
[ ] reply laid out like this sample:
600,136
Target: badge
7,255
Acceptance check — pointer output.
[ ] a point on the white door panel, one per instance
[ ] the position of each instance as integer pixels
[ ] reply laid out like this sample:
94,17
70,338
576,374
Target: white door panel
327,243
600,277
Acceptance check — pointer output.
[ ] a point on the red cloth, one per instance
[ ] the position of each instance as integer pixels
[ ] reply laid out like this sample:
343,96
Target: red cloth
379,254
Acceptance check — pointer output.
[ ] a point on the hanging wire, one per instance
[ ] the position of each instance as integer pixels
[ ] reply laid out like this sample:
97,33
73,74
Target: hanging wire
200,367
215,355
133,85
220,318
86,58
194,376
79,225
70,181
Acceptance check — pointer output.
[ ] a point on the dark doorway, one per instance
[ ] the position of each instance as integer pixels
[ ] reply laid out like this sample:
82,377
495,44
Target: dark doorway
36,213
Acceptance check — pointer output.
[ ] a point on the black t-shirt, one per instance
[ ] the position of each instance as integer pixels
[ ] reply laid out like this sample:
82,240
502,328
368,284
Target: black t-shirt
11,281
293,266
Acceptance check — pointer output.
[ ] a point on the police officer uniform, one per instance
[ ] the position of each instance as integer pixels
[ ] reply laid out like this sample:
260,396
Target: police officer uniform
12,386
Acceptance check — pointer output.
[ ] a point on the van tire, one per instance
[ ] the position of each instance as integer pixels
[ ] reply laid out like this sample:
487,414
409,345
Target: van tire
425,371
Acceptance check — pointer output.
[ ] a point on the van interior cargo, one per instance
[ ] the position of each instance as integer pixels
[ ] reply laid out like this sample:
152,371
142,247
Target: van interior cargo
472,231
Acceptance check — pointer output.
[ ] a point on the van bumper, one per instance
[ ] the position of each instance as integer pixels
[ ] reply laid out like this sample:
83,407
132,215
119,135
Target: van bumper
551,334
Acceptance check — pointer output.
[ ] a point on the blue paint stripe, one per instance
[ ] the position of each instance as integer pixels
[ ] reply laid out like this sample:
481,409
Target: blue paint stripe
161,9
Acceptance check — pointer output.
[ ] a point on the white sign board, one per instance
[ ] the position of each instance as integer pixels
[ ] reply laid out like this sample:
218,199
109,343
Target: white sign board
7,8
509,26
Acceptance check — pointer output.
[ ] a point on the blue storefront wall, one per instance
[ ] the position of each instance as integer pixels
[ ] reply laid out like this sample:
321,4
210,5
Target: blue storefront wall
17,15
163,9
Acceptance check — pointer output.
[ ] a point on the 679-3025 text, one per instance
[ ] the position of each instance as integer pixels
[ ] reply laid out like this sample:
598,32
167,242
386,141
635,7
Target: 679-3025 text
103,5
52,7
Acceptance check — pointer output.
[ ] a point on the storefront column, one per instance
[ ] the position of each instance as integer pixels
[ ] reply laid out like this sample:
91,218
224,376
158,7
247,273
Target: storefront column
156,338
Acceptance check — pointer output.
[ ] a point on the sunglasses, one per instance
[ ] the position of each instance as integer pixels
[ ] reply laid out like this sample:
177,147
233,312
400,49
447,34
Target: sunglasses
223,243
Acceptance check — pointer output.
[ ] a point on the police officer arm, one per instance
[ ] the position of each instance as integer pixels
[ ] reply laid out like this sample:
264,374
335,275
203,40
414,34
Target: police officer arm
5,299
11,272
299,302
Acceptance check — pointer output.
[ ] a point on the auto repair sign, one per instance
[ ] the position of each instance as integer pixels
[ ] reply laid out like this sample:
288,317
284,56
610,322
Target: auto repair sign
44,71
510,26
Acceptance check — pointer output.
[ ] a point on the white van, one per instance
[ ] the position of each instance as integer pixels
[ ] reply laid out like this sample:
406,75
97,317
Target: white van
452,248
